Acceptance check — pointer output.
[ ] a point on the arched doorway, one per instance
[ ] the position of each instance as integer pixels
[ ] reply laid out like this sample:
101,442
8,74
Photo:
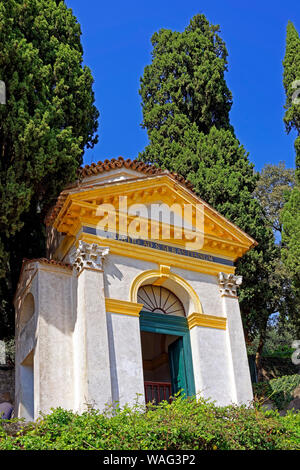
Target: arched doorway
165,339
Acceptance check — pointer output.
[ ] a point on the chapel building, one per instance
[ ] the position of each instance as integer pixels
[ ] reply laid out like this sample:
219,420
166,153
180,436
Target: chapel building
137,298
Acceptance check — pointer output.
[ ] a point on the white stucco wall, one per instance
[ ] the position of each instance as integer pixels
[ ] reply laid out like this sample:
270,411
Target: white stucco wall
238,352
92,365
206,287
86,355
126,363
212,365
26,337
48,336
53,365
120,271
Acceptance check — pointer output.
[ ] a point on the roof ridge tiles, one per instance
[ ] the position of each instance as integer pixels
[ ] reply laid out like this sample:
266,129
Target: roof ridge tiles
108,165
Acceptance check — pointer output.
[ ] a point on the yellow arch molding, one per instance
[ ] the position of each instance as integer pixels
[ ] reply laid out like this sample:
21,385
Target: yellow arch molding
156,274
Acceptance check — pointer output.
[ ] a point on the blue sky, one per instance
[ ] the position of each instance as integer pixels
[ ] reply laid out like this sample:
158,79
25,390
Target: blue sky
116,40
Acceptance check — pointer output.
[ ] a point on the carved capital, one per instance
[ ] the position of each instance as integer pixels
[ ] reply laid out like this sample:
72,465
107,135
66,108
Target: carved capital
89,256
228,284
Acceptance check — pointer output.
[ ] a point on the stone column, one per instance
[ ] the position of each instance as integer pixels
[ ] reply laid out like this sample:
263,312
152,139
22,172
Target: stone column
91,351
228,284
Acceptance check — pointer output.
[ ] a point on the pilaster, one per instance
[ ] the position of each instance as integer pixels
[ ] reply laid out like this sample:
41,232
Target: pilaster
91,349
228,284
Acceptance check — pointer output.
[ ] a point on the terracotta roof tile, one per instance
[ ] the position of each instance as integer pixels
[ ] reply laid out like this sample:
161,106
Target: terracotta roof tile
39,260
55,209
136,165
47,261
108,165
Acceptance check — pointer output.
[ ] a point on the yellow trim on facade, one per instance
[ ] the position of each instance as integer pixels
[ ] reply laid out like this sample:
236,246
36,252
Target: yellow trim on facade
123,306
220,236
208,321
210,244
153,274
150,254
127,188
164,274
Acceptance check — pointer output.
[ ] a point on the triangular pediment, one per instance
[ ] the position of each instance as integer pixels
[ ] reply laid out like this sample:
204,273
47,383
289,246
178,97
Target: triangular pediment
172,211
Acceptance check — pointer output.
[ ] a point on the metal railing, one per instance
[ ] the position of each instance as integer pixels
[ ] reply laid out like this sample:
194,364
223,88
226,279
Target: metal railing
157,391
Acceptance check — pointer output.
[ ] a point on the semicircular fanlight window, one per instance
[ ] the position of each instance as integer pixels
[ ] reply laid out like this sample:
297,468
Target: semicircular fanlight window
158,299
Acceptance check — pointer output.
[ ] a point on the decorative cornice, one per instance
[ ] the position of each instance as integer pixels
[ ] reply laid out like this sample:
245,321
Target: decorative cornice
148,254
208,321
89,256
228,284
77,207
123,307
107,165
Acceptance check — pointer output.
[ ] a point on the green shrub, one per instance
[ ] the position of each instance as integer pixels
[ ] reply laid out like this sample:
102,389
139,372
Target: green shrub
262,390
184,424
282,389
291,422
279,390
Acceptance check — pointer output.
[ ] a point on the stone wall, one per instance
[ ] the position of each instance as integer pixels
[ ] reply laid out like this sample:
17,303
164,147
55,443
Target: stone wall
7,381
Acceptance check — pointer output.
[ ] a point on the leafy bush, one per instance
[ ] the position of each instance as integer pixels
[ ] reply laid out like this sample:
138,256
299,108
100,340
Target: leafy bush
279,338
278,390
282,389
184,424
262,390
291,422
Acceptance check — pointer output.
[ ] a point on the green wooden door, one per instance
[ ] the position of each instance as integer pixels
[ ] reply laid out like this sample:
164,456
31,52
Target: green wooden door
177,366
181,364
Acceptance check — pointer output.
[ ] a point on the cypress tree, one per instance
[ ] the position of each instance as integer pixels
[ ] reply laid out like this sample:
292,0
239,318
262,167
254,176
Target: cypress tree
291,212
47,121
291,83
186,104
291,243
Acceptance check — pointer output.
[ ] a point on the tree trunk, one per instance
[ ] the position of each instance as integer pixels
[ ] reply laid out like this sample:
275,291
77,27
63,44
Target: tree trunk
258,354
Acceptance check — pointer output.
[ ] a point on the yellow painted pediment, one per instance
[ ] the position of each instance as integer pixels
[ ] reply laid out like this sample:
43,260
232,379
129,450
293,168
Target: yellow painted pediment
205,230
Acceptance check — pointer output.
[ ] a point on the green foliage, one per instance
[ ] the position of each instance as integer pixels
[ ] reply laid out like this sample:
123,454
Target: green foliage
186,106
275,182
279,336
278,390
283,352
290,217
10,350
291,237
262,390
291,247
47,121
183,424
279,340
282,389
291,422
291,83
185,82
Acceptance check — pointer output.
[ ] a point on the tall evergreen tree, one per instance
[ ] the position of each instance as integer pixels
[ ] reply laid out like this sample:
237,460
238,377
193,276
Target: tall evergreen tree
291,212
47,121
291,243
291,83
186,105
274,186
